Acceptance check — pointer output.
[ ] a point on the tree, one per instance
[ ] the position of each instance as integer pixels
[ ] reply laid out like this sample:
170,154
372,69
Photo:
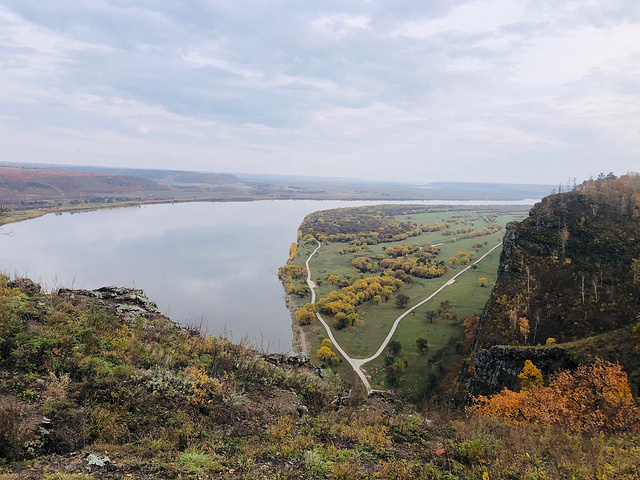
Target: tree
422,344
341,321
591,398
482,281
326,343
523,323
445,308
394,372
324,353
387,292
402,299
302,290
530,376
394,347
306,314
431,315
332,279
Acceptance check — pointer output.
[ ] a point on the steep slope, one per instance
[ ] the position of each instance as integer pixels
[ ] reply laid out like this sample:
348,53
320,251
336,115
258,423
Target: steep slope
98,385
570,271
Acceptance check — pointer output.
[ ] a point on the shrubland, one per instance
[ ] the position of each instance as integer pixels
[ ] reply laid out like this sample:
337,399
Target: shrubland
162,401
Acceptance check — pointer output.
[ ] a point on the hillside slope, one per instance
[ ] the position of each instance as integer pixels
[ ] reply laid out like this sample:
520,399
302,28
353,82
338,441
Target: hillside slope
570,271
25,184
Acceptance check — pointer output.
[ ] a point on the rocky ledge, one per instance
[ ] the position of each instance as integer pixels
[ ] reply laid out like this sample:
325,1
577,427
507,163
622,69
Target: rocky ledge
499,366
127,301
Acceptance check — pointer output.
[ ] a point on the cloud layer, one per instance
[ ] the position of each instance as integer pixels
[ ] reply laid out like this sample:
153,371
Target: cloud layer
494,90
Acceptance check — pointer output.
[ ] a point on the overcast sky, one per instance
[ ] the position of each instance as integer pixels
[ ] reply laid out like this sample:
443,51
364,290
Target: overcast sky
512,91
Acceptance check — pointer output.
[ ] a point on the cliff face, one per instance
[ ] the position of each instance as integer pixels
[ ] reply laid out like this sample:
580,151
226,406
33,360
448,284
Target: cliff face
499,366
569,272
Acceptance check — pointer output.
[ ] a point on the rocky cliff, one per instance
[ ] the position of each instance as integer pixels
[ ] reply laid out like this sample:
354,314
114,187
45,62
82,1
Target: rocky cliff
570,272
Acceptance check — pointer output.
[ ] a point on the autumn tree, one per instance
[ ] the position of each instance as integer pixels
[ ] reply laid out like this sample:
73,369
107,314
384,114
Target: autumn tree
386,293
402,299
482,281
445,308
324,353
530,376
591,398
523,324
470,324
306,314
293,252
332,278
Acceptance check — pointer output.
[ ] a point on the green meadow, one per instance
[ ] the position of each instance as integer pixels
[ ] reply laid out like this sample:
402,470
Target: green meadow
465,295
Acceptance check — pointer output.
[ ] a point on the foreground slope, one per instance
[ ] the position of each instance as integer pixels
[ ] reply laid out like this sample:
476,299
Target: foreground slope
99,385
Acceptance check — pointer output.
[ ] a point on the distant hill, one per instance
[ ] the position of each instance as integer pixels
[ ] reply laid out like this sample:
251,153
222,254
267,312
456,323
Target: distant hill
24,184
166,177
190,185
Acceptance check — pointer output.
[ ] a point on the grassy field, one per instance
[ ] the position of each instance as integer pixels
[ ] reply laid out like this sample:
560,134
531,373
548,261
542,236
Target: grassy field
465,296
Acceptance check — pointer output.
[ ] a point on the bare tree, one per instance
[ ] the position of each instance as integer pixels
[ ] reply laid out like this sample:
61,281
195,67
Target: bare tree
535,329
402,300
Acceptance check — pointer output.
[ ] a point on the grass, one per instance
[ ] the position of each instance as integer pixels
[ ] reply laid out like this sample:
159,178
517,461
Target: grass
162,402
465,296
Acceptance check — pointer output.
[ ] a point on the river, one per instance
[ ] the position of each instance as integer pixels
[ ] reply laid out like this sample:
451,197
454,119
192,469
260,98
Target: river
210,265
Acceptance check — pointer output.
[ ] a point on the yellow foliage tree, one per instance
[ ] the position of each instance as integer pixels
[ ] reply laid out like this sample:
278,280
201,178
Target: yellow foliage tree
306,314
293,252
530,376
324,353
523,323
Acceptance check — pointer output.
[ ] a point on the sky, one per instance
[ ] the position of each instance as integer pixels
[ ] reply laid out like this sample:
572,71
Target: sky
537,91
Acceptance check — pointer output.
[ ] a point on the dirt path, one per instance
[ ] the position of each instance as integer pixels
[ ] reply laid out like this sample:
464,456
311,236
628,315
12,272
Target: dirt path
357,363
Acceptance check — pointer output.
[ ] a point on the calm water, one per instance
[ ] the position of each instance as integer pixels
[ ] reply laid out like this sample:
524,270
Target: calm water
208,264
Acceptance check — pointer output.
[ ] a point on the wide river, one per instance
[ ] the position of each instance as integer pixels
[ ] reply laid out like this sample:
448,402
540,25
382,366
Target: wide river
211,265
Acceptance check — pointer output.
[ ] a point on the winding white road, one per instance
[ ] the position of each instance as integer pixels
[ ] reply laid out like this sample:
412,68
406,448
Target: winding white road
357,363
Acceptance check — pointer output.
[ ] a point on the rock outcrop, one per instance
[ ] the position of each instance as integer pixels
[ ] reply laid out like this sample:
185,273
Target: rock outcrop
498,367
127,301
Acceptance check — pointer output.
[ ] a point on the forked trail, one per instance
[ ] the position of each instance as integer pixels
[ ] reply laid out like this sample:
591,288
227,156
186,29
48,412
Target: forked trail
357,363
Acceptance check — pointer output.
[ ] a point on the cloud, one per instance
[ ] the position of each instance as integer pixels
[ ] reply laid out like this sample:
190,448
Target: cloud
529,91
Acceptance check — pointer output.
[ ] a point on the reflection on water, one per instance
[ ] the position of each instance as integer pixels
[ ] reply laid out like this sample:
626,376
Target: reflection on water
206,264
